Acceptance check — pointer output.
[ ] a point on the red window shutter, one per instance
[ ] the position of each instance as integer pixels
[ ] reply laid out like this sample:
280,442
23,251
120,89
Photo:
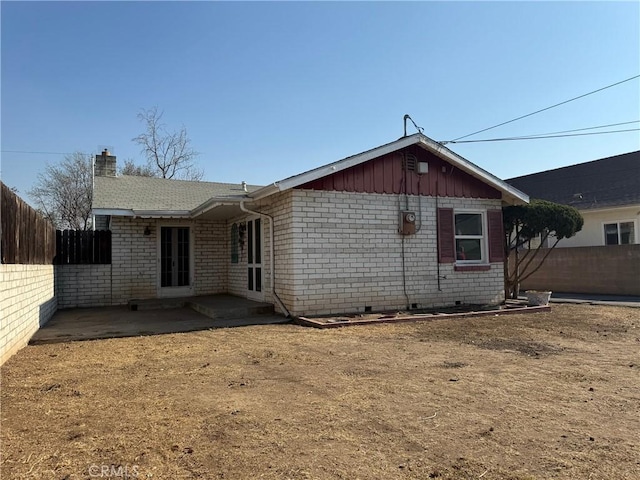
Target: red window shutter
446,247
496,235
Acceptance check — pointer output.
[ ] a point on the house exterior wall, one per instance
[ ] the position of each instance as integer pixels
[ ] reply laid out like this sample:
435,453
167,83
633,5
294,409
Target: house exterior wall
279,207
346,254
133,273
592,233
27,301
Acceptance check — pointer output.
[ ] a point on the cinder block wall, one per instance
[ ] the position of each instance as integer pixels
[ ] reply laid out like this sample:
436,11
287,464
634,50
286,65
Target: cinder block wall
83,285
27,301
346,254
610,270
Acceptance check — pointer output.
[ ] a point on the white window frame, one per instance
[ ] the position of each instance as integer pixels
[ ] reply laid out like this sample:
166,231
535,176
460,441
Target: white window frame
484,253
618,222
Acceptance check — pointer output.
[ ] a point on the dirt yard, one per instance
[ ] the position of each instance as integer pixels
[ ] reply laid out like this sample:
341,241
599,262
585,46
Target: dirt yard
537,396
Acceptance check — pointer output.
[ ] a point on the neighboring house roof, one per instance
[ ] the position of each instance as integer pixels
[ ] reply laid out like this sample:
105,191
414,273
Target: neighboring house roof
133,195
605,183
510,194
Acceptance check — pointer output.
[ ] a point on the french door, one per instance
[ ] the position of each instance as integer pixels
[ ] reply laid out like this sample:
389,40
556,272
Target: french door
254,259
175,258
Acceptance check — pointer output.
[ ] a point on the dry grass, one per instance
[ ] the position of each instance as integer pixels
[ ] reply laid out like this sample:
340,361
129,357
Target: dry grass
547,395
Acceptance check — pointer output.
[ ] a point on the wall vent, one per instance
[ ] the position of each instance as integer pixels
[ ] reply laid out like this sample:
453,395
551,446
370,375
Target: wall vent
410,162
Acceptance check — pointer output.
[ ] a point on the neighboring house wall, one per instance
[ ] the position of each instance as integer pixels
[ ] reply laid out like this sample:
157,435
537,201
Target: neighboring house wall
613,270
133,273
27,302
592,233
346,254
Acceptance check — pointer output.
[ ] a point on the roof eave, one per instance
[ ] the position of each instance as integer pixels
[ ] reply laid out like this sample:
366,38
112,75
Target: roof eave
123,212
510,193
213,203
338,166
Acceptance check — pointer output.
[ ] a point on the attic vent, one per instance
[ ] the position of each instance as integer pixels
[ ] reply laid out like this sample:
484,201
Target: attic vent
410,162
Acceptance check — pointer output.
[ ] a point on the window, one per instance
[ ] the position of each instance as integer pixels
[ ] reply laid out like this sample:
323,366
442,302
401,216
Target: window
619,233
235,239
469,237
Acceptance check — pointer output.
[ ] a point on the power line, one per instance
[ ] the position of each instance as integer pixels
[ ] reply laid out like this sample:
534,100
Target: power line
558,132
42,153
539,137
544,109
582,129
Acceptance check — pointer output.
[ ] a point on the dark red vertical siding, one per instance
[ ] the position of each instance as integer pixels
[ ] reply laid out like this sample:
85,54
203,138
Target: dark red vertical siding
385,174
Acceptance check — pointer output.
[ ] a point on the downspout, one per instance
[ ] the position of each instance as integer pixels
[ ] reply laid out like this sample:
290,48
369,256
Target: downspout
271,254
93,191
437,239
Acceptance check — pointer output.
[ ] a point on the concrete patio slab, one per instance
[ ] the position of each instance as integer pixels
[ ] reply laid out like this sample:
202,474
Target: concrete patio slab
112,322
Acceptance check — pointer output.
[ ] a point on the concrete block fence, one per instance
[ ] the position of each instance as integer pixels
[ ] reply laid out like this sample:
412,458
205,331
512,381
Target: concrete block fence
27,301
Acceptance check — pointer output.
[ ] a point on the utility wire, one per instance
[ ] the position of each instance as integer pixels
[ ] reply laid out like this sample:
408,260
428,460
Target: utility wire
582,129
561,131
41,153
533,137
544,109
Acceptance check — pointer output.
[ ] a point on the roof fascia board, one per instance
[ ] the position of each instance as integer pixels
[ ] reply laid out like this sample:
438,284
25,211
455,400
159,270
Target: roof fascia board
511,193
346,163
472,169
115,212
334,167
161,213
631,206
214,202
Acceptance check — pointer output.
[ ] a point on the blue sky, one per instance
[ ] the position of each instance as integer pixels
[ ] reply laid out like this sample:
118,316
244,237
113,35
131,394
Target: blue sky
267,90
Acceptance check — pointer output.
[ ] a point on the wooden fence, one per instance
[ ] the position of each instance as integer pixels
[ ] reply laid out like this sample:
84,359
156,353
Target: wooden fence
26,236
83,247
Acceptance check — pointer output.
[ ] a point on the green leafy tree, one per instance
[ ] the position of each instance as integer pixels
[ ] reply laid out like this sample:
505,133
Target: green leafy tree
549,221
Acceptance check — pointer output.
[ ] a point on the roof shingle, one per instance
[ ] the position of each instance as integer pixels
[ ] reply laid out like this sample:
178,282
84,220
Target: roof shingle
149,193
608,182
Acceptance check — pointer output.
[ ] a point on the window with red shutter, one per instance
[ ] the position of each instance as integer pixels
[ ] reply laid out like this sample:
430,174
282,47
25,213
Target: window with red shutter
446,250
496,235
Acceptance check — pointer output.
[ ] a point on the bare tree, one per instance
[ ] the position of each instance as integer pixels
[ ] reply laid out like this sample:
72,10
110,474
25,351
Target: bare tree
130,168
168,152
63,192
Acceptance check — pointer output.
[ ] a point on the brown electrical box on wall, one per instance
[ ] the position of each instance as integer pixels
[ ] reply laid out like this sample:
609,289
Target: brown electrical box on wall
407,224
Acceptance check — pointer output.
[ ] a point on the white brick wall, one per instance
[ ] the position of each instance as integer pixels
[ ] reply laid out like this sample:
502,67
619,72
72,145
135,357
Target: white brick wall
335,252
133,273
27,301
83,285
279,206
347,254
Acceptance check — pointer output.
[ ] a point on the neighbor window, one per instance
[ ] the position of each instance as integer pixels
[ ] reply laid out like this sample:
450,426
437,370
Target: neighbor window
619,233
469,237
